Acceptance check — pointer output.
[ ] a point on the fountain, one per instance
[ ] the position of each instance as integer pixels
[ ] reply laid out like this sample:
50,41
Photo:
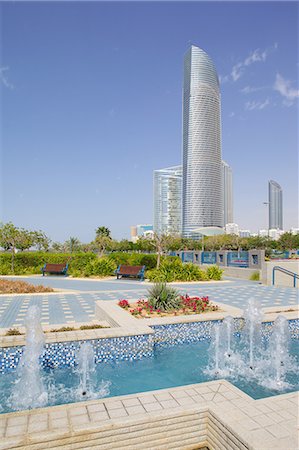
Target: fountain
269,363
29,391
251,334
86,367
228,330
279,362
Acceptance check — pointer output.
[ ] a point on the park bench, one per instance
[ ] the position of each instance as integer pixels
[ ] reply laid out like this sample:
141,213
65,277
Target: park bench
130,271
58,269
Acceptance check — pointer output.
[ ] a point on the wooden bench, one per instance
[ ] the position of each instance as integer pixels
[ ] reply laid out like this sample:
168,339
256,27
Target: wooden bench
58,269
130,271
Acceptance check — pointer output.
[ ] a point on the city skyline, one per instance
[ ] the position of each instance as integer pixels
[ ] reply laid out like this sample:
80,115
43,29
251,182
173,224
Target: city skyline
90,111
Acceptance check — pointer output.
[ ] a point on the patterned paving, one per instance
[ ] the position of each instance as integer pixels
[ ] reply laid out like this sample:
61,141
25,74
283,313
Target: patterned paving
79,306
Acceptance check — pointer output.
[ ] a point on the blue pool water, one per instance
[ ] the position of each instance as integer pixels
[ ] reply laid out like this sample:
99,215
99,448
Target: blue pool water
169,367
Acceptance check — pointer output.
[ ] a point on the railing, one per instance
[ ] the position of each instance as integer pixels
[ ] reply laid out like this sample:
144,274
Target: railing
287,272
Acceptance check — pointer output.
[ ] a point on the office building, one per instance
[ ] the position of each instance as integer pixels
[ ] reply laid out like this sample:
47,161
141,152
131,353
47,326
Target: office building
141,230
232,228
168,200
275,233
202,175
227,187
244,233
275,205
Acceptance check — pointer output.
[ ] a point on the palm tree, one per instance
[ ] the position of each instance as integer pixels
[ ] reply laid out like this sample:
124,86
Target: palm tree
103,231
73,244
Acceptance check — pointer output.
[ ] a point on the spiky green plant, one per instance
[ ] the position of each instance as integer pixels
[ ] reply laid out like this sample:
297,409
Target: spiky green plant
163,297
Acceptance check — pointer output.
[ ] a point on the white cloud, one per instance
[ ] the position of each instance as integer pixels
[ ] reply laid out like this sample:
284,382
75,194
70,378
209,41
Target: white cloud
250,89
285,89
254,56
250,106
3,78
237,71
223,79
231,114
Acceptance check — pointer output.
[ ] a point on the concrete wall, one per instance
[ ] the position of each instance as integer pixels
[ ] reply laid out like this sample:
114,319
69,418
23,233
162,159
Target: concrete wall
239,272
281,279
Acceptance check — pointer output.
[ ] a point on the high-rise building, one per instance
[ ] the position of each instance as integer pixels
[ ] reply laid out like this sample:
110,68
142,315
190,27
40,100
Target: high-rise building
168,200
244,233
275,233
275,205
202,181
141,230
232,228
227,186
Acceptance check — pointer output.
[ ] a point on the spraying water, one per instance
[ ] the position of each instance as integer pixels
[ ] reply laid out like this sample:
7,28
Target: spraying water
269,362
280,363
217,350
86,367
252,330
29,391
228,329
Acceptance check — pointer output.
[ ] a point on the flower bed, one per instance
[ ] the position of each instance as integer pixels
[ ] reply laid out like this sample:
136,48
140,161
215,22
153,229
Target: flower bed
187,305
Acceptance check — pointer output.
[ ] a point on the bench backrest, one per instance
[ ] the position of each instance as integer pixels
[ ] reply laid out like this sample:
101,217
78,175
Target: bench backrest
129,270
55,267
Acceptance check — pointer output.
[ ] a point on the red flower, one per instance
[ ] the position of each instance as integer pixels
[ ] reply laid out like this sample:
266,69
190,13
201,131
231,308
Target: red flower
124,304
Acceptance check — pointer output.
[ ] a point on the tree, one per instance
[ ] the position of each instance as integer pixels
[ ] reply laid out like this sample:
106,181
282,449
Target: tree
161,243
25,239
10,238
73,244
103,231
41,241
103,243
57,247
288,241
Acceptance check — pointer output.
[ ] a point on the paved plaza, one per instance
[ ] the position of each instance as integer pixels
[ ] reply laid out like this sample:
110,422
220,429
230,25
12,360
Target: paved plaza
76,301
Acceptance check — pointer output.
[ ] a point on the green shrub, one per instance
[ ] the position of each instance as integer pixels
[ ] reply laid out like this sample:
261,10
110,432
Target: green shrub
27,263
62,329
135,259
102,267
13,332
120,258
214,273
191,272
255,276
163,297
174,270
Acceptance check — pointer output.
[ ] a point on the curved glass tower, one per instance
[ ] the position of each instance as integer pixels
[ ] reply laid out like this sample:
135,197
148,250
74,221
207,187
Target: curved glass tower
275,205
202,177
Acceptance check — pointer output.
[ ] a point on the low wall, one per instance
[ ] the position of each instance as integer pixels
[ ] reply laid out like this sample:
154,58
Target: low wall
281,279
239,272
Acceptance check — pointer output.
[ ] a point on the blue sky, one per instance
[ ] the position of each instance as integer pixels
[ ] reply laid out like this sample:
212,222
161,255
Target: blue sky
91,99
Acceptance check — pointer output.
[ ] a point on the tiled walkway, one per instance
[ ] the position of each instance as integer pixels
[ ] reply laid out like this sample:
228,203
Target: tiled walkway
180,415
79,305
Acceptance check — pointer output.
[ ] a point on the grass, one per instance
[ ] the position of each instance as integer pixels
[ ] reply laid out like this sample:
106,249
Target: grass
21,287
16,331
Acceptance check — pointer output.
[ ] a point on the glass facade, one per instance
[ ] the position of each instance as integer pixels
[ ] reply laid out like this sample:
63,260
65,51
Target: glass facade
202,174
168,200
227,186
275,205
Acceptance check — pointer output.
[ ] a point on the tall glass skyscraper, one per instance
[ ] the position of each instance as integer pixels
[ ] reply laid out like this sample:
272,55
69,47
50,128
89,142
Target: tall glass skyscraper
202,179
275,205
168,200
227,186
